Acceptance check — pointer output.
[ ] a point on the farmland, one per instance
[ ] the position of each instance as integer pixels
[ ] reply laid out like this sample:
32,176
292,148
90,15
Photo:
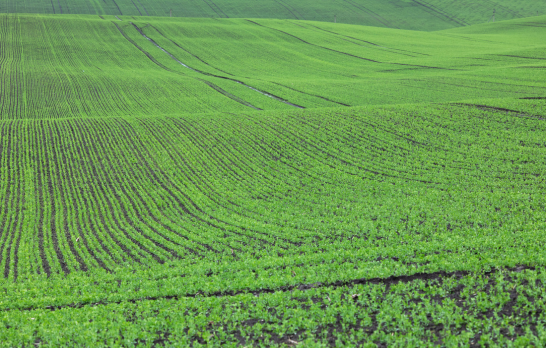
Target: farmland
70,66
401,14
258,182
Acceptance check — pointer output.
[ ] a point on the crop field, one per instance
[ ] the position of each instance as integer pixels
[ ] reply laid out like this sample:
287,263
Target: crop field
85,66
401,14
269,182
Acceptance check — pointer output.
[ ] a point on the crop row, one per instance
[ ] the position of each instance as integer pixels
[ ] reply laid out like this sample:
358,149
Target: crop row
85,194
92,67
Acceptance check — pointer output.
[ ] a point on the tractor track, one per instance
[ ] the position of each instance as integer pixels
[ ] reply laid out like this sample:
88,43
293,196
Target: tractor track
267,94
389,281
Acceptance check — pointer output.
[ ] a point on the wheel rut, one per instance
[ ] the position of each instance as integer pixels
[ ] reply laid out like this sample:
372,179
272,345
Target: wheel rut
143,8
210,84
136,7
388,281
345,53
267,94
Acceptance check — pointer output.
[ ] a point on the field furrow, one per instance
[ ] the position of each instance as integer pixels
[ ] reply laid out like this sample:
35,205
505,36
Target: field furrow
239,180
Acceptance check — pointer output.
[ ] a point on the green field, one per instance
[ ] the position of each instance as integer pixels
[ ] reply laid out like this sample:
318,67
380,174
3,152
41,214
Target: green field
84,66
402,14
263,182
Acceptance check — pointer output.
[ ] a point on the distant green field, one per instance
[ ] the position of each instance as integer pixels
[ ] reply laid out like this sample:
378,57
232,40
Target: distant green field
403,14
266,182
83,66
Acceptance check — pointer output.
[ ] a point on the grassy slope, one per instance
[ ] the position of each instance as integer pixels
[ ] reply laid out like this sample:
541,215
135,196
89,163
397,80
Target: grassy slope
88,67
404,14
265,202
135,180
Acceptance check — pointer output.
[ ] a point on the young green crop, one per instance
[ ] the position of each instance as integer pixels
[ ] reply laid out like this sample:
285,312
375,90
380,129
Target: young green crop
160,183
71,67
415,15
504,307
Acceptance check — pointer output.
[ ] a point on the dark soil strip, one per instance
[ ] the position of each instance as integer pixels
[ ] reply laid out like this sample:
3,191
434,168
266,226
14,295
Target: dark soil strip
533,98
497,109
53,7
115,3
101,17
60,7
140,48
210,84
392,280
118,18
221,77
136,7
143,8
229,95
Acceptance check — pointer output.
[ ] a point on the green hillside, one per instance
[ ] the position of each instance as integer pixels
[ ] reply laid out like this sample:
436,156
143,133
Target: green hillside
403,14
265,182
68,66
364,224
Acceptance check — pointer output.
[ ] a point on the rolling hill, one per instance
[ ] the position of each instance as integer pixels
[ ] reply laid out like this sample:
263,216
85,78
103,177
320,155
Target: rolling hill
84,66
402,14
270,182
